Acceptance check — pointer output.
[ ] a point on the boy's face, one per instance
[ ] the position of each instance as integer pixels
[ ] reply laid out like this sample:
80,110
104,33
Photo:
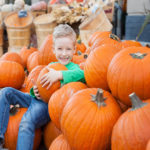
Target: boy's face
64,49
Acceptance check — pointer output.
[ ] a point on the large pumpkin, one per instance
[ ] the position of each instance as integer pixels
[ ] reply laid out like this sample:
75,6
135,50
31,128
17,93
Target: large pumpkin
11,133
129,72
60,143
59,99
11,74
132,130
88,118
50,133
44,93
96,65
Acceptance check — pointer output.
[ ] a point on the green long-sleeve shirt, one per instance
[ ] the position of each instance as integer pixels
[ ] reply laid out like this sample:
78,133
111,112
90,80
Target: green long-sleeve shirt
73,74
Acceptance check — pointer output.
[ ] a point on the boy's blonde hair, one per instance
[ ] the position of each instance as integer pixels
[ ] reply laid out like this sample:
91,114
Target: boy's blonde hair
64,30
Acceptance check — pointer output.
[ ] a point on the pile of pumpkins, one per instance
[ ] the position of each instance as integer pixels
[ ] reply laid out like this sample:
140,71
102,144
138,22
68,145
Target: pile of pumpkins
109,111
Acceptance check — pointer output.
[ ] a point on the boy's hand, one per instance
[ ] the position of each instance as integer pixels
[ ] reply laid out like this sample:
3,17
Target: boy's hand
36,92
51,77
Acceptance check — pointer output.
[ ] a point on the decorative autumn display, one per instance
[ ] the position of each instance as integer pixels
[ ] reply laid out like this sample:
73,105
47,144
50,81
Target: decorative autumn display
12,56
88,118
129,43
50,133
47,56
33,60
11,133
32,77
96,65
25,53
59,99
132,130
129,72
60,143
11,74
44,93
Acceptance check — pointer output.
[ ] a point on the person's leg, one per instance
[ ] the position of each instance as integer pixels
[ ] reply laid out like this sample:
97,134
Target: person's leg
36,116
10,96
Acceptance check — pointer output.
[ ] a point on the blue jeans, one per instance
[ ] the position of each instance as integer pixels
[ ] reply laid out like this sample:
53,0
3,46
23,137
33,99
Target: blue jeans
36,115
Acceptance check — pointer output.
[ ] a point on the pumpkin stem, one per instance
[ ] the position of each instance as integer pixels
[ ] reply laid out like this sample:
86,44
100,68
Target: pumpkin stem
13,110
79,52
79,41
85,56
114,37
99,98
138,55
136,102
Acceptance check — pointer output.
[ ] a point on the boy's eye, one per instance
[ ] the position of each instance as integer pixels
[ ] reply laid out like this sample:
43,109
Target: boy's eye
59,48
68,49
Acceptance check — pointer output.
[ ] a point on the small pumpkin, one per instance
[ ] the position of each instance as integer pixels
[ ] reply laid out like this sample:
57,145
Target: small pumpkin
50,133
60,143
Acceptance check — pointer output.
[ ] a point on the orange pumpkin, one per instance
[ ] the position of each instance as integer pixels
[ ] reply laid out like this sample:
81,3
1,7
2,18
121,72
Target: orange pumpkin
96,65
44,93
11,133
50,133
80,46
129,43
129,72
97,36
148,145
111,40
11,74
47,56
88,118
60,143
32,77
12,56
25,53
59,99
33,60
132,130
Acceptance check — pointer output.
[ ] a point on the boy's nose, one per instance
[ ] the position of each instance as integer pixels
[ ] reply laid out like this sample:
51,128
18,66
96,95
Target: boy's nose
64,52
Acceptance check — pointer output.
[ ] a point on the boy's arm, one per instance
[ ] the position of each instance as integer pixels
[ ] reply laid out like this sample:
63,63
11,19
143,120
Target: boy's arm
76,74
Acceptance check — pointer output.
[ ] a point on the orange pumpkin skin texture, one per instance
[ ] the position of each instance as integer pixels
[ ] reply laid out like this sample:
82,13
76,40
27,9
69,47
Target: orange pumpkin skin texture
46,52
60,143
87,124
148,145
59,99
44,93
11,74
96,65
80,47
111,40
25,52
132,130
127,74
12,56
33,60
32,77
50,133
11,133
98,35
129,43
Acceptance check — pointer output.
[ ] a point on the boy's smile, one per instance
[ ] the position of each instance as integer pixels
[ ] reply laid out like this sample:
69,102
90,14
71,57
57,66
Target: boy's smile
64,48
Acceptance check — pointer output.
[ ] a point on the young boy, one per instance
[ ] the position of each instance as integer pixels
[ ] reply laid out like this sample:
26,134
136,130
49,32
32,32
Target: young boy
37,115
